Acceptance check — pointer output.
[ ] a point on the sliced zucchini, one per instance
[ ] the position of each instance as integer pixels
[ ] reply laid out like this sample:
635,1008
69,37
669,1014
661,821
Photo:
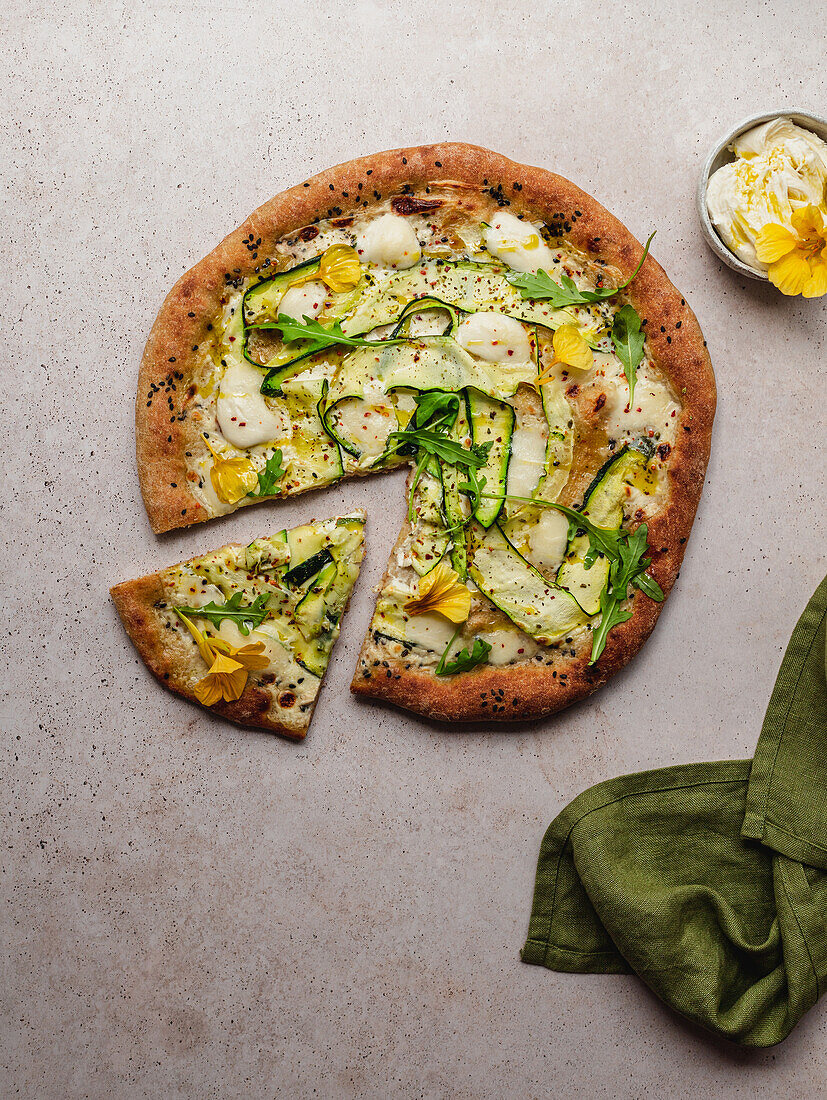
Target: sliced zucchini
455,503
466,285
492,422
429,538
260,302
541,608
299,574
264,555
603,504
311,610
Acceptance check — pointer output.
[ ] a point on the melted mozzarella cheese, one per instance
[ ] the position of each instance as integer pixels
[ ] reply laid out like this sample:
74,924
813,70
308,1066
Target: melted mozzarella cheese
388,240
303,301
495,338
517,243
243,415
547,540
653,408
367,425
508,646
528,456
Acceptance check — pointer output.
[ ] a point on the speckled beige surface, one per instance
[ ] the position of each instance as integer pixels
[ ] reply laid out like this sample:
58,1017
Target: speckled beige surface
193,911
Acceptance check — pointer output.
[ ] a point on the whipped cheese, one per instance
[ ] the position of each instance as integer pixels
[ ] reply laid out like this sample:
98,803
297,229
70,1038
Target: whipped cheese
779,168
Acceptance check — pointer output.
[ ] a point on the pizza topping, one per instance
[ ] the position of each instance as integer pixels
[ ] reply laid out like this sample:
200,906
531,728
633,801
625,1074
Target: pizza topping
302,301
570,349
232,478
517,243
228,665
340,269
494,337
242,411
389,240
465,368
441,591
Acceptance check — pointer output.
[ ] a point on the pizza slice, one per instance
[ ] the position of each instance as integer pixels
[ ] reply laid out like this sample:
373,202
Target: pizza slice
247,631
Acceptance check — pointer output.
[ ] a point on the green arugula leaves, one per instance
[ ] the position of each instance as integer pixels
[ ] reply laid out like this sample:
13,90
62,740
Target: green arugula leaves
317,336
542,287
465,660
270,476
435,414
246,616
627,338
627,568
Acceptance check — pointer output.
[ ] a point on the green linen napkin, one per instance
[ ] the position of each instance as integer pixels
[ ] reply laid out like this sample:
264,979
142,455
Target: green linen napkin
709,881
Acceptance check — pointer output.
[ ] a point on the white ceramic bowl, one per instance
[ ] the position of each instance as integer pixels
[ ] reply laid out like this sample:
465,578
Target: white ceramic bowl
720,155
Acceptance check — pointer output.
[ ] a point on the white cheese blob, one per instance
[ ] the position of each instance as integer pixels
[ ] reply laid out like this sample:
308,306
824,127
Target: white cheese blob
508,646
528,456
368,426
303,301
388,240
495,338
547,541
517,243
243,415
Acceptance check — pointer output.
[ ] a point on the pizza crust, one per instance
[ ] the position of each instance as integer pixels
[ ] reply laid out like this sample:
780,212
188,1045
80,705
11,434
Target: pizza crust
674,341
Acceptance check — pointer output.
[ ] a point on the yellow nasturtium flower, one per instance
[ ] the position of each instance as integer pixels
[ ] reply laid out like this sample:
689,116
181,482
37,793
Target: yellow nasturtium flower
340,269
228,665
797,261
441,590
232,478
570,349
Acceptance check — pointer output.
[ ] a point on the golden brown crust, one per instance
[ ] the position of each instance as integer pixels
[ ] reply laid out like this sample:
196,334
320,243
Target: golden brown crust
675,344
176,664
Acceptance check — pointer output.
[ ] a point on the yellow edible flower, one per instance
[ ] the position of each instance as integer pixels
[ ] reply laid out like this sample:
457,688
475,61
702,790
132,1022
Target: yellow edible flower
228,665
441,590
797,261
232,478
570,349
340,269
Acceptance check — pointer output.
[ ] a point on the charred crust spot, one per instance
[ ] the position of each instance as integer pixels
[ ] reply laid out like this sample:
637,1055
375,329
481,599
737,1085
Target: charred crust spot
407,204
664,450
600,402
342,223
309,233
287,699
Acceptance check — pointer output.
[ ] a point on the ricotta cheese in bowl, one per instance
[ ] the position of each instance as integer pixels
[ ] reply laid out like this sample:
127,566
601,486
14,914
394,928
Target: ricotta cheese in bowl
768,203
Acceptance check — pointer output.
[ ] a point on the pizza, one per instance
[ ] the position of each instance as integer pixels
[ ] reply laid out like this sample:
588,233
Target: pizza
248,630
496,329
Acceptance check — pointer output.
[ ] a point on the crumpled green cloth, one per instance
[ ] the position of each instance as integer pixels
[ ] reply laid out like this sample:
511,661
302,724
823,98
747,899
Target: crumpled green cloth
709,881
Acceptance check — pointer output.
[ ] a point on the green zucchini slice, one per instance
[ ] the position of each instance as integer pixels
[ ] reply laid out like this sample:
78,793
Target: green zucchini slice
429,538
538,606
603,504
492,422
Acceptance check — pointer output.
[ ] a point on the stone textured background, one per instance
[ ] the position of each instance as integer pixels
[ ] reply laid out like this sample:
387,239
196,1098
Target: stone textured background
194,911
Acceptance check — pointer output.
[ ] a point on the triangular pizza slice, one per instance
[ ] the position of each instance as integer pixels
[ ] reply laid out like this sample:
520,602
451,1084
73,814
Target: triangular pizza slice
248,631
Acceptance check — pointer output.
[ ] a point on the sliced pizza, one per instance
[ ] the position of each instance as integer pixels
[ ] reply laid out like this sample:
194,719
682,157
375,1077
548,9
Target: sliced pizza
496,328
247,631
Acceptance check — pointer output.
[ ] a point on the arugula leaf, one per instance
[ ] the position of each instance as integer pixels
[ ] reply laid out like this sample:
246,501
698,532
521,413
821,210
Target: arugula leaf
246,616
436,409
541,286
628,337
464,660
269,477
438,444
317,336
611,615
